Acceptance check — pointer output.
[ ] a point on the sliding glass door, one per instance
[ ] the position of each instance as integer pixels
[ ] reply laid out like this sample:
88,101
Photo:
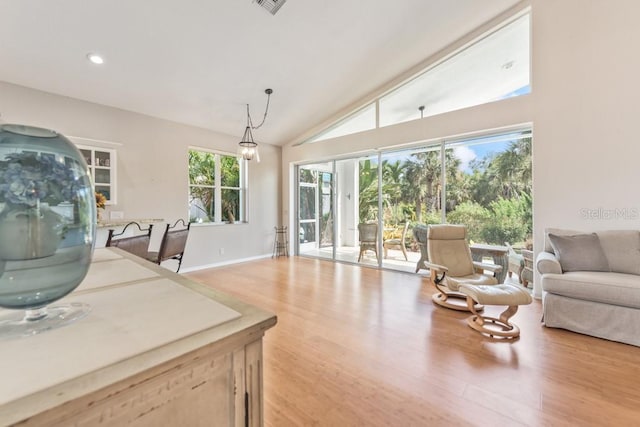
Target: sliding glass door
411,194
333,199
484,183
489,188
315,210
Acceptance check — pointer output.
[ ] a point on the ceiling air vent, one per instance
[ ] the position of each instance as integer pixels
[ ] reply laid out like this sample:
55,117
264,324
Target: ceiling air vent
272,6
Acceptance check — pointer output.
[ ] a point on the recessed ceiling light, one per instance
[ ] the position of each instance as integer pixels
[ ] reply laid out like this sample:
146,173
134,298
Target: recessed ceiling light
95,58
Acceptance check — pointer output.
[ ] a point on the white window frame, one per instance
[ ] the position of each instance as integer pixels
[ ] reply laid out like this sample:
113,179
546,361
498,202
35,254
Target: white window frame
217,187
111,169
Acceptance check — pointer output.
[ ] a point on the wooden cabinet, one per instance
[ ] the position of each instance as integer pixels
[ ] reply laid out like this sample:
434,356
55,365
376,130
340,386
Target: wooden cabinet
156,350
207,387
102,164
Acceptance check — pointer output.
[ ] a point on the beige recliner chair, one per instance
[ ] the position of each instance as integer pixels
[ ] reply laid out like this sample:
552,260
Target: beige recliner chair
450,265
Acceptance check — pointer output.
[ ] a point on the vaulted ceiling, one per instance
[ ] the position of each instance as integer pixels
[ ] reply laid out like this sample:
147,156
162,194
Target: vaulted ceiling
199,62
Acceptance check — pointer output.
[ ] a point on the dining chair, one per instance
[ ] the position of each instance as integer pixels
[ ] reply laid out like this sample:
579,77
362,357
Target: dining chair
137,245
173,244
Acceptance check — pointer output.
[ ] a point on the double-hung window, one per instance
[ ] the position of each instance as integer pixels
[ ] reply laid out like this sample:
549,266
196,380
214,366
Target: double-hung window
217,187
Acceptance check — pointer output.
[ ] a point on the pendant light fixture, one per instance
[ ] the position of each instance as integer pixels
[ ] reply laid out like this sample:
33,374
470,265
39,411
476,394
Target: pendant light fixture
247,147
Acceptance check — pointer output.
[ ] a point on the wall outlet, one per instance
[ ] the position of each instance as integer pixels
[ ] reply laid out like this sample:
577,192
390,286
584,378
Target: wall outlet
221,251
116,215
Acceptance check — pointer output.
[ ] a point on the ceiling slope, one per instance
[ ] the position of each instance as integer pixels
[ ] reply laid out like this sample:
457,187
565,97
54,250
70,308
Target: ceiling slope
200,62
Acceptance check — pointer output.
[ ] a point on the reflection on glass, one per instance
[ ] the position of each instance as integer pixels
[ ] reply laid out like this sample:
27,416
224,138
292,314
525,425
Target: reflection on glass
86,154
230,205
307,232
103,159
307,202
103,176
308,176
201,204
230,171
47,229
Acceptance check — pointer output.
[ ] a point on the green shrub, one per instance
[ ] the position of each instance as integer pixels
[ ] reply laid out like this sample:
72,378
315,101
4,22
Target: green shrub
473,216
509,221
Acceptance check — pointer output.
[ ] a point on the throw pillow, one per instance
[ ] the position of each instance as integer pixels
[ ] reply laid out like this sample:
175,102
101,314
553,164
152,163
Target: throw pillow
580,252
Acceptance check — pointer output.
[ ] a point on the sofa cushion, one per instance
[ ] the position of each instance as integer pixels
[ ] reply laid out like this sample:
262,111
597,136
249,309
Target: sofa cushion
622,249
557,232
604,287
580,252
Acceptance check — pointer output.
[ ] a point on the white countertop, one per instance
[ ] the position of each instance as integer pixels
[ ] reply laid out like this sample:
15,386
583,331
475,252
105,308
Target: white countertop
141,314
120,222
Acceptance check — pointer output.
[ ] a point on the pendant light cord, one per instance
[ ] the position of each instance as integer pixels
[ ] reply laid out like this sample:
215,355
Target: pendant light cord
266,111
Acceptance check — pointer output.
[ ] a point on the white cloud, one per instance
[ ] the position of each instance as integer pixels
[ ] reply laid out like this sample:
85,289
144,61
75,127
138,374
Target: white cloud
466,155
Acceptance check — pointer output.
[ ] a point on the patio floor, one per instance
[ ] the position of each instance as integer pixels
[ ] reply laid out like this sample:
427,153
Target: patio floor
394,261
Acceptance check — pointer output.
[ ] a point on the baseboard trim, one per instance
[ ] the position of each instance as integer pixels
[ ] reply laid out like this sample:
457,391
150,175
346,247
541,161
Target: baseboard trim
223,263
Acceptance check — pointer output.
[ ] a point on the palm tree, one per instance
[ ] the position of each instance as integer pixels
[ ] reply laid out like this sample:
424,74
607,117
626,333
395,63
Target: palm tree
511,169
458,189
392,178
506,174
368,188
424,174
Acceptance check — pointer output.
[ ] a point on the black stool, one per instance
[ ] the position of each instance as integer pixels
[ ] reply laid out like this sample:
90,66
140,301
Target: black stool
281,244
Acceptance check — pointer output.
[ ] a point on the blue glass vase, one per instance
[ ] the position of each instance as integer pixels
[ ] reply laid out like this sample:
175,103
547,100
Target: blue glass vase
47,228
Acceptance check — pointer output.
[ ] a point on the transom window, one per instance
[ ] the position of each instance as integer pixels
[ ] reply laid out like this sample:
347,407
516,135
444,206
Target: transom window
493,68
217,187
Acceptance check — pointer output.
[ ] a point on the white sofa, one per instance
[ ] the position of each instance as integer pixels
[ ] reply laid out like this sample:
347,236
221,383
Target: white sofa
604,304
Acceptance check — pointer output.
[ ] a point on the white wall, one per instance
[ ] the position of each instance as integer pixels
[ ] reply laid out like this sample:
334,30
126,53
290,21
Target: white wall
153,171
347,193
585,82
583,107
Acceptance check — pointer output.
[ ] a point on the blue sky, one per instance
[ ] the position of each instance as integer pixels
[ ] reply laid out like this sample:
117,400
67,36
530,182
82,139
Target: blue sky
466,153
478,151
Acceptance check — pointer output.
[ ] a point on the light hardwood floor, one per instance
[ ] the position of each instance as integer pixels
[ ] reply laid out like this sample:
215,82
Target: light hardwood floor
358,346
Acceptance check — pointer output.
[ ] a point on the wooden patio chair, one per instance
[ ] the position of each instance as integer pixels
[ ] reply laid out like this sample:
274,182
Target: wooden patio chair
397,243
368,233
